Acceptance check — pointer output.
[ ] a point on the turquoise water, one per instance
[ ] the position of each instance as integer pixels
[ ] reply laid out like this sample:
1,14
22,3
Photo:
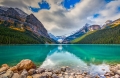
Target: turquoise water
60,55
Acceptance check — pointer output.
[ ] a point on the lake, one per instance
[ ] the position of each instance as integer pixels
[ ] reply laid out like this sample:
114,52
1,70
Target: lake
54,56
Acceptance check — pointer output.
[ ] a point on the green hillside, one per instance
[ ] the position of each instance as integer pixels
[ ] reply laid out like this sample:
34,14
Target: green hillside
11,36
104,36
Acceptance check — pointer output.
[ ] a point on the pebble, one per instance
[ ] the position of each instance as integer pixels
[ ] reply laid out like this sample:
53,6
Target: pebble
64,72
40,70
63,69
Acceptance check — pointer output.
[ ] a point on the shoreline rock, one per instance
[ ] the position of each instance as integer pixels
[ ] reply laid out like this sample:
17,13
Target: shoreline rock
27,69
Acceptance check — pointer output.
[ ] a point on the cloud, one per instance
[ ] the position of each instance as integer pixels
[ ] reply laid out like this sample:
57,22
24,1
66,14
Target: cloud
62,19
109,12
42,5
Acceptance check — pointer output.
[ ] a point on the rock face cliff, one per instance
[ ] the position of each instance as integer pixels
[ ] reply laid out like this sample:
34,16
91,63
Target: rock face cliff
94,27
16,18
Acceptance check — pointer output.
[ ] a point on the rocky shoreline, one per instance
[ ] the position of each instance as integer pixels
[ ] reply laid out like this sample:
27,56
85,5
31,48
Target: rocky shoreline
27,69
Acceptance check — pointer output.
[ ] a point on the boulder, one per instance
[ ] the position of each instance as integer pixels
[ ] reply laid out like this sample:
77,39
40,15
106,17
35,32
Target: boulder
2,72
112,73
116,76
14,69
60,75
36,76
15,75
118,66
54,76
25,64
3,76
113,69
31,71
4,67
118,72
24,74
9,74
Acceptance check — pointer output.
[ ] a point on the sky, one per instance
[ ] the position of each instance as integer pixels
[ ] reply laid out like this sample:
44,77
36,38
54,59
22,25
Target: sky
62,17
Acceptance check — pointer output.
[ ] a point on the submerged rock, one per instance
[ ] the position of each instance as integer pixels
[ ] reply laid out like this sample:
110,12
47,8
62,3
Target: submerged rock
63,69
25,64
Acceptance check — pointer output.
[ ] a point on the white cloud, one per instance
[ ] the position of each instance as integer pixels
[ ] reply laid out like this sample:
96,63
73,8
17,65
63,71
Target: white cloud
60,21
109,12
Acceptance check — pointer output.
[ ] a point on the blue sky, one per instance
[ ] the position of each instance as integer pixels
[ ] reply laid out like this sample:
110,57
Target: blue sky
45,5
65,3
61,17
42,5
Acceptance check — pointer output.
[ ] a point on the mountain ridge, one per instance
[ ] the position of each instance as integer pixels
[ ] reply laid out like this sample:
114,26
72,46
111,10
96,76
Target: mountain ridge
16,19
109,34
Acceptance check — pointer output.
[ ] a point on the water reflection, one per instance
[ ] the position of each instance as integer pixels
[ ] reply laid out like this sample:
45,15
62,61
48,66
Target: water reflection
60,57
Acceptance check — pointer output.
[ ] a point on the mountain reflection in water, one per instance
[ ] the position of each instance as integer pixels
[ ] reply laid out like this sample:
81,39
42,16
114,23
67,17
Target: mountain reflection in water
60,57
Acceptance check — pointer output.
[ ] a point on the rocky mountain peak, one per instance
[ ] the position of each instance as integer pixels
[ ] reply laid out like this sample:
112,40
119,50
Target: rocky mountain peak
22,20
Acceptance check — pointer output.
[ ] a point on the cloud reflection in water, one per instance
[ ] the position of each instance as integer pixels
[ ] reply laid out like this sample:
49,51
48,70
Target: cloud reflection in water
60,57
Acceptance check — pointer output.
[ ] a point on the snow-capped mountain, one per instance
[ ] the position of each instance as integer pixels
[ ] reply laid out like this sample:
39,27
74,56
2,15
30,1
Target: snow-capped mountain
53,37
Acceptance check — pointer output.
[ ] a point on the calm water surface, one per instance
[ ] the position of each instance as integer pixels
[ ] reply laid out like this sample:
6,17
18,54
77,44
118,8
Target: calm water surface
53,56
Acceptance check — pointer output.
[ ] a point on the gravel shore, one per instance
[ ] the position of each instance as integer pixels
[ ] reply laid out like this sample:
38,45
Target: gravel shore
27,69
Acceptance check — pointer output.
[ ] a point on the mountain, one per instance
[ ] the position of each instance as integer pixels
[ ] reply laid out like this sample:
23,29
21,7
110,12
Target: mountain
81,32
16,19
53,37
110,23
108,35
